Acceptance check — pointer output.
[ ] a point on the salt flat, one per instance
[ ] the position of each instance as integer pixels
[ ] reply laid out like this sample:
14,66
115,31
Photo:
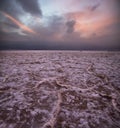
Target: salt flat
59,89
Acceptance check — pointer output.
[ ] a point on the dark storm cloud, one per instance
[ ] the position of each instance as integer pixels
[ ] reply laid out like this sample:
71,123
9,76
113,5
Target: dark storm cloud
10,7
94,7
30,6
70,26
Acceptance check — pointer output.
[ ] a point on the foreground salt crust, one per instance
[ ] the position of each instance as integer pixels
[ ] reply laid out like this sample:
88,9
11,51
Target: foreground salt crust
59,89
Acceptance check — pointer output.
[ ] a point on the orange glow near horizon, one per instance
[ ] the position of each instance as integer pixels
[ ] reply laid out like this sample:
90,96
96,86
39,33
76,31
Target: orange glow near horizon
22,26
89,27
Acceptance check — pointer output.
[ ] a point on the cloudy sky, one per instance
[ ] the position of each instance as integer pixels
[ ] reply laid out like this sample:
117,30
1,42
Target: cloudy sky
60,24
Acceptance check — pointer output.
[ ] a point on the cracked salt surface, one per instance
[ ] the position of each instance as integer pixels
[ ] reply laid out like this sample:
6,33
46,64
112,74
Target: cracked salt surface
59,89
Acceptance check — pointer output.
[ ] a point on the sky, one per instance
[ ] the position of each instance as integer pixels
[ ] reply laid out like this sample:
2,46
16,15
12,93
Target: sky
60,24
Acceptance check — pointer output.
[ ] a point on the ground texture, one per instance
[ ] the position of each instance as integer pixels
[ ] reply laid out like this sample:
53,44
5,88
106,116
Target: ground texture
59,89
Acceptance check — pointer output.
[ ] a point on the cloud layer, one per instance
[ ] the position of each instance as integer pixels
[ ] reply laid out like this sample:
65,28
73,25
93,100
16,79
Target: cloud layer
30,6
61,24
70,26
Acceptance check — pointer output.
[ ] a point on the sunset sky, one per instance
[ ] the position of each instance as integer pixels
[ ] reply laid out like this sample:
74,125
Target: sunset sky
60,24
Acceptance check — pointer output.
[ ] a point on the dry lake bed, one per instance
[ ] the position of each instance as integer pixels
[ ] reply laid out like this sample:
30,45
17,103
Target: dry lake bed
59,89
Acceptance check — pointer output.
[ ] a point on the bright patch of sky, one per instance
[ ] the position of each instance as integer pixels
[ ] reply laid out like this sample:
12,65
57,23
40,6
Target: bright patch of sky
53,7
